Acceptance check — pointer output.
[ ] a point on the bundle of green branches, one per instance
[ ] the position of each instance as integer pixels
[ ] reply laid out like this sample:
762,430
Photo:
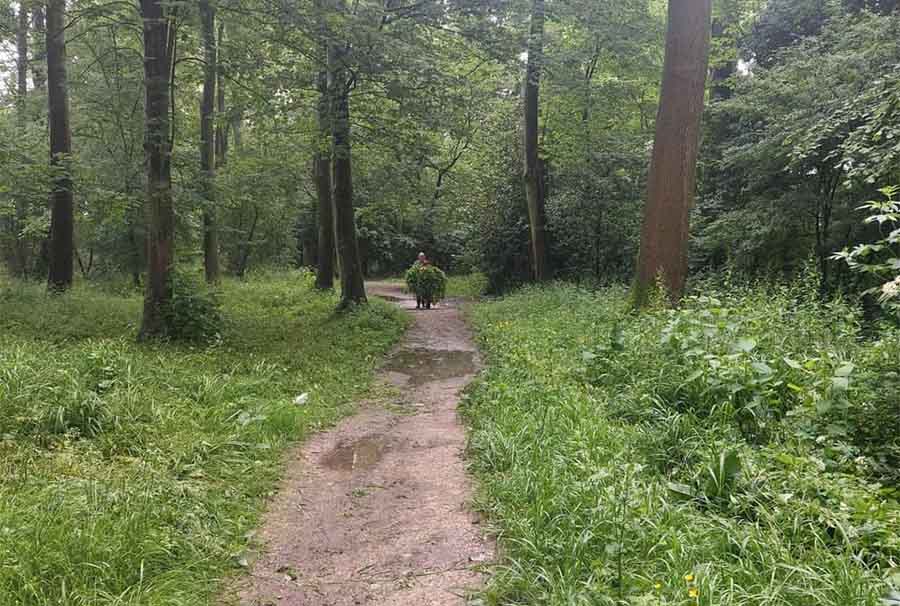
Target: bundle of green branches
426,282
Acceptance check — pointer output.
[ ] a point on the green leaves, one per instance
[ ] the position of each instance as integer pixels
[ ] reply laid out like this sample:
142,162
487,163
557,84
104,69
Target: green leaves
427,282
770,507
881,259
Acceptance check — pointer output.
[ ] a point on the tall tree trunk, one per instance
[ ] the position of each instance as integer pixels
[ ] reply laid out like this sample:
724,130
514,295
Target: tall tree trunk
352,287
533,171
221,137
135,256
39,53
670,195
244,258
158,51
322,168
237,119
207,143
62,225
19,261
22,64
308,253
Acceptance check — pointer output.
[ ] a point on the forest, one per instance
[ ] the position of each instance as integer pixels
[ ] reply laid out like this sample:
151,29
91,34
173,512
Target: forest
565,302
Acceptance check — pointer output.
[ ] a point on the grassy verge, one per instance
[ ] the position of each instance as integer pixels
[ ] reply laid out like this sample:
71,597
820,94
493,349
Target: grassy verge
468,285
722,454
133,474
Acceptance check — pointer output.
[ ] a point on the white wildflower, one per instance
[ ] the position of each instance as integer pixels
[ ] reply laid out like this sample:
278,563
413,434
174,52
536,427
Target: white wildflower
891,290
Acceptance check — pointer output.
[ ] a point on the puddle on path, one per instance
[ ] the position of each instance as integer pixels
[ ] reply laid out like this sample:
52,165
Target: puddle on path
427,365
361,454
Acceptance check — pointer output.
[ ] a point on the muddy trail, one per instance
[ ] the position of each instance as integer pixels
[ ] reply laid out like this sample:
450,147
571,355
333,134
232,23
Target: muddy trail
376,510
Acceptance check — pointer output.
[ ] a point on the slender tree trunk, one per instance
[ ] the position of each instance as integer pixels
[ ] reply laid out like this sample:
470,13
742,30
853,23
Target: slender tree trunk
325,265
431,211
665,231
221,137
135,256
828,184
19,261
308,248
244,259
533,170
352,286
237,119
39,52
62,225
22,65
207,143
322,168
158,51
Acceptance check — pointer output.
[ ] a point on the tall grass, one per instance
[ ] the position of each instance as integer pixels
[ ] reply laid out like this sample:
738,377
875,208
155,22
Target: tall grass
467,285
679,457
133,474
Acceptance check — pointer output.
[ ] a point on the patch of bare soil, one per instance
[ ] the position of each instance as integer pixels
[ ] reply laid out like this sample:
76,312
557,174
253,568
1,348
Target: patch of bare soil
376,511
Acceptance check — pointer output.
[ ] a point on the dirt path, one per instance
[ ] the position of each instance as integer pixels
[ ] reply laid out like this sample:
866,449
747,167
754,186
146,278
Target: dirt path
375,511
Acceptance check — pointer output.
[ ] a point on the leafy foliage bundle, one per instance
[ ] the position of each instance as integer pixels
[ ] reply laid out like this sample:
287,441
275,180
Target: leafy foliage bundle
427,282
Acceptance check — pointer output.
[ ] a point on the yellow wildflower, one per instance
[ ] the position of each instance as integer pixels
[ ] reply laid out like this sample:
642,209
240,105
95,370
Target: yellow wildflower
693,592
658,586
689,578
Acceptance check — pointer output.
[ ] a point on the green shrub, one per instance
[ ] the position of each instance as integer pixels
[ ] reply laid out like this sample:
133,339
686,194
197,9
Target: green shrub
193,313
880,260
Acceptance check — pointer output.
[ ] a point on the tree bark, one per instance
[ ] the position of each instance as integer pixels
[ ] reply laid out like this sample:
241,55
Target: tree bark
39,53
158,51
339,84
244,259
62,225
533,170
221,137
308,253
19,260
322,168
22,64
672,179
207,142
237,119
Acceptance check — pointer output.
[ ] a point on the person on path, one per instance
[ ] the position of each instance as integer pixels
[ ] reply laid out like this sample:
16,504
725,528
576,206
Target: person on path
422,261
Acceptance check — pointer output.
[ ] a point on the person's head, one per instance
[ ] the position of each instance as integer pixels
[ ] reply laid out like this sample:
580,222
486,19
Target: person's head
422,257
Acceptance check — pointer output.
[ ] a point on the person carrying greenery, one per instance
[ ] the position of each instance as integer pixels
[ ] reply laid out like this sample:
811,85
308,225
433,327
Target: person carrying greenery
426,281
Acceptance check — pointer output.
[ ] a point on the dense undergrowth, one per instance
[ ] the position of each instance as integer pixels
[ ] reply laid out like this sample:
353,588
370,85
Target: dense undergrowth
740,450
132,474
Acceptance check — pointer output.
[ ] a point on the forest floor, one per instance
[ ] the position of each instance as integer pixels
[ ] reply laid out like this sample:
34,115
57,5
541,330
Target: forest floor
739,450
134,473
377,510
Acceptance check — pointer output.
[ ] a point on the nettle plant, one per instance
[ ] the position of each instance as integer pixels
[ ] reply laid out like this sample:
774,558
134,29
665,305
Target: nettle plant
881,259
721,367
